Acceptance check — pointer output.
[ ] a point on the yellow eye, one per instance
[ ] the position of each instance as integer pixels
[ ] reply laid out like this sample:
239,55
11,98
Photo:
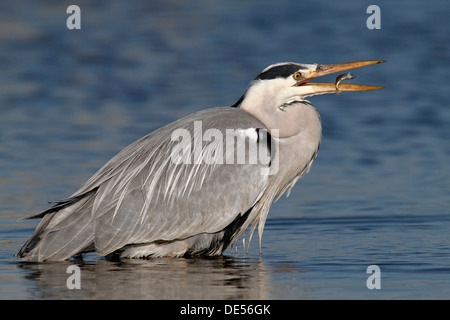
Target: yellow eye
297,75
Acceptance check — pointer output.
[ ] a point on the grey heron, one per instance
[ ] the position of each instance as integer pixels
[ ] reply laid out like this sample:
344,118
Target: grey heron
193,186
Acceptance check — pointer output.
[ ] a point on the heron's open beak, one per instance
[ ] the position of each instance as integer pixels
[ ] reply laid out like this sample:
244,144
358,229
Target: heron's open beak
322,70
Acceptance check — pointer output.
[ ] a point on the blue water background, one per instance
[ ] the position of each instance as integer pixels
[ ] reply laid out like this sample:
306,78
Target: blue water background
378,193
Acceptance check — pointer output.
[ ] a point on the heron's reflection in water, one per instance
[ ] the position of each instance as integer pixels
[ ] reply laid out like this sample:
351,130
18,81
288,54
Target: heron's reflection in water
163,278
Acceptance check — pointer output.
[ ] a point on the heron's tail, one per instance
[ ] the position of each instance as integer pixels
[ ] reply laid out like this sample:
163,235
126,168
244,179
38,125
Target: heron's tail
65,230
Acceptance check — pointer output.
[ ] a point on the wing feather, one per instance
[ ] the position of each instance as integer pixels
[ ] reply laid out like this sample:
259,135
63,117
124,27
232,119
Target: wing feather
142,196
178,200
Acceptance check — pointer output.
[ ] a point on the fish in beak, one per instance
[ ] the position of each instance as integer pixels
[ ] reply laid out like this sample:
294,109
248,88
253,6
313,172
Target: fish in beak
322,70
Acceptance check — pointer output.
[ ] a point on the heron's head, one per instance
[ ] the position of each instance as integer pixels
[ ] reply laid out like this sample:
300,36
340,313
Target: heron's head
277,95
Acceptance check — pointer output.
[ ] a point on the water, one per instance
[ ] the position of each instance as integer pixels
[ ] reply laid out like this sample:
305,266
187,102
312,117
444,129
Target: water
378,193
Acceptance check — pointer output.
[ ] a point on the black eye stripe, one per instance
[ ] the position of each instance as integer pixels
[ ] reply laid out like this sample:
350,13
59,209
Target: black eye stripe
281,71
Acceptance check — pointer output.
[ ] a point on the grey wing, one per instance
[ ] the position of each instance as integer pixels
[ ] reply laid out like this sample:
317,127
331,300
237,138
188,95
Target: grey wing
158,189
158,199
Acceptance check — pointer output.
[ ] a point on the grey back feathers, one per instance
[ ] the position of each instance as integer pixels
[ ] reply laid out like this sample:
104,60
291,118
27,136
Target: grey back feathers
142,204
